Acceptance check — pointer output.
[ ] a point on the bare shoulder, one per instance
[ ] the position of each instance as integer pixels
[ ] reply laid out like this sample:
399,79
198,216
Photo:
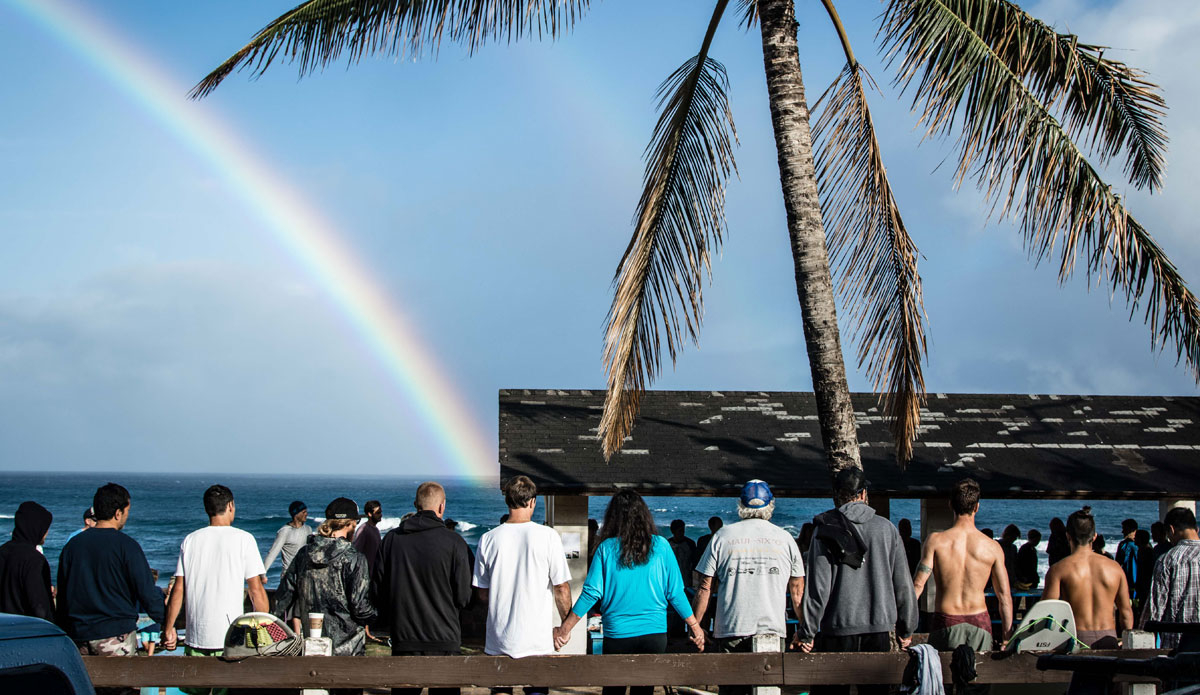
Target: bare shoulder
1106,565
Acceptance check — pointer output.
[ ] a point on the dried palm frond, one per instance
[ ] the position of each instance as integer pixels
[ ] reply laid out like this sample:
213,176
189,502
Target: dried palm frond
1029,166
316,33
679,218
749,11
871,253
1111,103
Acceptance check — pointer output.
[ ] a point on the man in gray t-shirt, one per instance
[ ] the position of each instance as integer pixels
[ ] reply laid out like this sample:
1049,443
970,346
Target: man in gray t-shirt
290,538
753,566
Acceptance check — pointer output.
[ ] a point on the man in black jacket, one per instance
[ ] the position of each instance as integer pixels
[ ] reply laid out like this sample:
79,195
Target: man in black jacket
103,579
24,572
422,581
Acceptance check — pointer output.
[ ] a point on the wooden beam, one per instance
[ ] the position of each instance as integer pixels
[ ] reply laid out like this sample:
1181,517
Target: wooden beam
435,671
553,671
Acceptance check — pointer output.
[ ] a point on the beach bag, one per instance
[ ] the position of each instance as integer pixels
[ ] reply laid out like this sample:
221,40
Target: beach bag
260,634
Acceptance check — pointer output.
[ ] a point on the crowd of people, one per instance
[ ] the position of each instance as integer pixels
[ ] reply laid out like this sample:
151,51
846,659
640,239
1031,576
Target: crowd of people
851,578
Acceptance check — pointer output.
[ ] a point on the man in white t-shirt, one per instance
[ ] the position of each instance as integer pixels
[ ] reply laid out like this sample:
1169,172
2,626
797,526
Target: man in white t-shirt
521,573
215,564
753,567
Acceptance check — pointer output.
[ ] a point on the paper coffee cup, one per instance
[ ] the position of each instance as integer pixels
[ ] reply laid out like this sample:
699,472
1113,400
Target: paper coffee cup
316,622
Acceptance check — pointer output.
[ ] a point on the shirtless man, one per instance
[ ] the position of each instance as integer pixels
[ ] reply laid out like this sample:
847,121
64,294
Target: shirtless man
961,560
1093,584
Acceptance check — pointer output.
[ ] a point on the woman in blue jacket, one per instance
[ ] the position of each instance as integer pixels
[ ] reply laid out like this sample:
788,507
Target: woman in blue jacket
633,577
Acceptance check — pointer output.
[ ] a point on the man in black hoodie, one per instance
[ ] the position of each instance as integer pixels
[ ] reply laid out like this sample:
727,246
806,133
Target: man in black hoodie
24,572
422,581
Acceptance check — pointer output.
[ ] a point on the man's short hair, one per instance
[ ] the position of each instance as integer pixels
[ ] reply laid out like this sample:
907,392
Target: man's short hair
1181,519
964,498
1081,526
904,524
1129,526
108,500
848,484
677,526
715,523
1034,535
518,491
1011,531
216,500
370,507
429,496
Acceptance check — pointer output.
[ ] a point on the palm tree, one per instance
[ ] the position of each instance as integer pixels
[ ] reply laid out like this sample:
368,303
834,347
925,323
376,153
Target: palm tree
1024,101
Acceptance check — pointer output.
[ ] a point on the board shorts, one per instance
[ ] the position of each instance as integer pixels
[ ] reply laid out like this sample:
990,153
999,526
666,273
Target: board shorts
949,631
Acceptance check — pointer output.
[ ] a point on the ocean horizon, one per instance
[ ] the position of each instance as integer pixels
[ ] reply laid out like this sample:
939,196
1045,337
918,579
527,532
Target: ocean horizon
168,506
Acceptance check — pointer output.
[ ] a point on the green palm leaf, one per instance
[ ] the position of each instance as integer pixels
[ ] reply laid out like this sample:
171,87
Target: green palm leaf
318,32
873,256
679,218
1110,103
1029,166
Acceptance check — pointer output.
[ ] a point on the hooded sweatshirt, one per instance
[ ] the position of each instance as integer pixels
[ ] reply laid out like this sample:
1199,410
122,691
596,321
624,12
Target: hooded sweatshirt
24,572
329,576
876,597
422,581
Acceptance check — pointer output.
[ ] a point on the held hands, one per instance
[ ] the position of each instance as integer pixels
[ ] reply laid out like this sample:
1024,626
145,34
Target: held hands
696,635
904,641
170,637
806,647
561,637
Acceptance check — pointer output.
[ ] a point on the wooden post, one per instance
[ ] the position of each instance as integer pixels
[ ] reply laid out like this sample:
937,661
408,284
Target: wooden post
569,516
882,504
1166,504
935,516
1138,639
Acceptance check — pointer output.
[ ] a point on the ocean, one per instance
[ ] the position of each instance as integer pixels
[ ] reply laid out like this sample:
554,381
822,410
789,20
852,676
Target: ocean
166,507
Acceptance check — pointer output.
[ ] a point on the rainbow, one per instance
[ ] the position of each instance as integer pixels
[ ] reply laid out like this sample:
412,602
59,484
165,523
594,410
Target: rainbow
300,229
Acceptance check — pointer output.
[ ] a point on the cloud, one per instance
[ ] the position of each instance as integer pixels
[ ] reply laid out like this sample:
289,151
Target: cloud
194,366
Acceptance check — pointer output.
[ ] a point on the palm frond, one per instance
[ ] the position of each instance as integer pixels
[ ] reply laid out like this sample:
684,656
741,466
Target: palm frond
1029,166
749,11
316,33
1109,102
873,256
679,219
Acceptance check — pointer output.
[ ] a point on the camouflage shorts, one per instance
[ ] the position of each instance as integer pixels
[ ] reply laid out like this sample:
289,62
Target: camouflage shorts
121,645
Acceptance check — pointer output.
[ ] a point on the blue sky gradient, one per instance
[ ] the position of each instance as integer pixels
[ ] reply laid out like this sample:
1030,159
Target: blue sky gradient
148,322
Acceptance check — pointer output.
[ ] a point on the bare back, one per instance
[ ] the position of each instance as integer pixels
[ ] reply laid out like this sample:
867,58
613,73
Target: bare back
1094,585
963,560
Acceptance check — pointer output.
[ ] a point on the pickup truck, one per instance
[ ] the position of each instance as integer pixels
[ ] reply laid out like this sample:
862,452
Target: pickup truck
38,657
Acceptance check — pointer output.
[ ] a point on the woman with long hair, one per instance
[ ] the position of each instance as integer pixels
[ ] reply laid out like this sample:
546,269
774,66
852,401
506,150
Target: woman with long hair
633,577
329,576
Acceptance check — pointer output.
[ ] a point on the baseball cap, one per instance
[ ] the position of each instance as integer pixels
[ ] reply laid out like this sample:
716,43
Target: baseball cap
296,507
342,508
850,481
756,494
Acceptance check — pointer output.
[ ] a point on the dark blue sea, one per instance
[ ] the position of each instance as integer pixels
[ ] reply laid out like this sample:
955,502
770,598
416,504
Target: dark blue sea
168,507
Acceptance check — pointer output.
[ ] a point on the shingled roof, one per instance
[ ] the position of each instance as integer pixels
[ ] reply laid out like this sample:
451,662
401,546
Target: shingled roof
709,443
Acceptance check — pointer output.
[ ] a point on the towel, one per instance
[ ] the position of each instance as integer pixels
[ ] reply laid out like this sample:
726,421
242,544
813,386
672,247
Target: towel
923,675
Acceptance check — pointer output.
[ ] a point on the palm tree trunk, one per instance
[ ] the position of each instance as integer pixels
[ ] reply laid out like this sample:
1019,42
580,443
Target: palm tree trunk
797,174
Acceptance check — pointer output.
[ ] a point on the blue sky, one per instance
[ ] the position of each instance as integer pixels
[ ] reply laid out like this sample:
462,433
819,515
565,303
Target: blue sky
148,322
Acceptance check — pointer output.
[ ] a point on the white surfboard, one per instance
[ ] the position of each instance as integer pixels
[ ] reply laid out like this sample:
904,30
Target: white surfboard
1048,626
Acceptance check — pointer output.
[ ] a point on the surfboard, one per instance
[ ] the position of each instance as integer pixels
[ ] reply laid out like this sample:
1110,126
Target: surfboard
1048,626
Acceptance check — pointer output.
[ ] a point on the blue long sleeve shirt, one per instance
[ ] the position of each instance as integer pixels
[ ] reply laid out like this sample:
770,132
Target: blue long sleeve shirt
633,600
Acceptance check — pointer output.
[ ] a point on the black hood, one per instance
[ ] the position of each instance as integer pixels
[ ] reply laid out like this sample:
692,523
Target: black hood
31,523
422,521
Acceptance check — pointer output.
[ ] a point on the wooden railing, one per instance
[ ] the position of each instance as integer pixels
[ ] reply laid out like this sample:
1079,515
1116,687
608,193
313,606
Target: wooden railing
555,671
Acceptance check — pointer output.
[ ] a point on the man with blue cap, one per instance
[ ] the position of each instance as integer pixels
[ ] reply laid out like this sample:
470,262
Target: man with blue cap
752,567
290,538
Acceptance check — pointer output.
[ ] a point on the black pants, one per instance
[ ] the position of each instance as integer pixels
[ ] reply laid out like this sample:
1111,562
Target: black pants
738,645
868,642
417,691
642,644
